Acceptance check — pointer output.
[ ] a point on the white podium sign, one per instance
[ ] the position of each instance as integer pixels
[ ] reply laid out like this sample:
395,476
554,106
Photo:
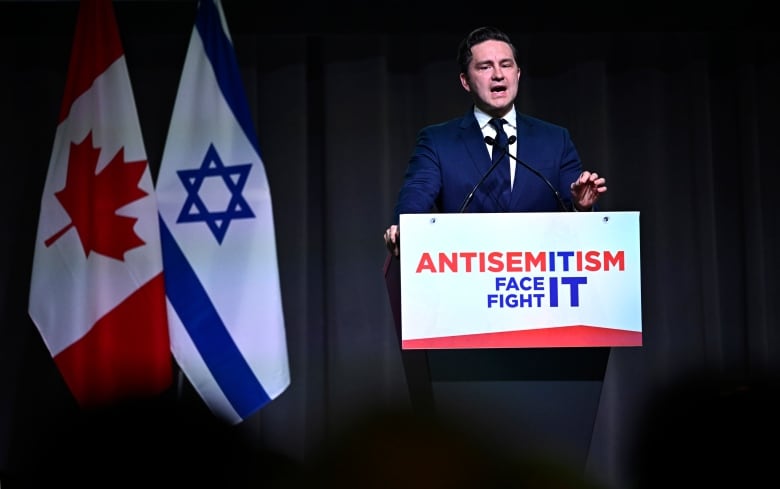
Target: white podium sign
520,280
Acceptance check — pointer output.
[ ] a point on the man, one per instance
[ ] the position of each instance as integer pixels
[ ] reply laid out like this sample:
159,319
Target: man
451,168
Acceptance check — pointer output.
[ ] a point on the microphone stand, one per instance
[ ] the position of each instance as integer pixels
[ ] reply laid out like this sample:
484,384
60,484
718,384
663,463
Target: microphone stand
533,170
505,149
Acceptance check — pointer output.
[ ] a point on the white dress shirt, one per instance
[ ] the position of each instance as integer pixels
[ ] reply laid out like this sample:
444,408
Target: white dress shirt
510,127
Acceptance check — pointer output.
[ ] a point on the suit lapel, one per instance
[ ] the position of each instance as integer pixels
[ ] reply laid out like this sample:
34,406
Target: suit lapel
474,144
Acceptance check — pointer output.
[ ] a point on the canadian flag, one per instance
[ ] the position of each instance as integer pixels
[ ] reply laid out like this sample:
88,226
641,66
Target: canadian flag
97,292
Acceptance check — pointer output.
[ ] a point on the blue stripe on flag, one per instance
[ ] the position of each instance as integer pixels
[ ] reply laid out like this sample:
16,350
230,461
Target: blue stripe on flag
223,59
208,332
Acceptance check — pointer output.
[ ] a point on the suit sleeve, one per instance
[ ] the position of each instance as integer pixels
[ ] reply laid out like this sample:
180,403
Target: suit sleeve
570,167
422,181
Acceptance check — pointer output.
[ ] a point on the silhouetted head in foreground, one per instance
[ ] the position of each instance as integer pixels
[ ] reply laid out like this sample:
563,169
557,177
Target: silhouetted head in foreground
144,443
706,430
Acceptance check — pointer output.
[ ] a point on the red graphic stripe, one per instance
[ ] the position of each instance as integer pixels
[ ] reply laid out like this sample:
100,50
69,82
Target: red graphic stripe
566,336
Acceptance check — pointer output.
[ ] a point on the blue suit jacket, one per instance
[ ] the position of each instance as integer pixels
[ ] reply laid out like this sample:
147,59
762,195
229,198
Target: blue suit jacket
450,158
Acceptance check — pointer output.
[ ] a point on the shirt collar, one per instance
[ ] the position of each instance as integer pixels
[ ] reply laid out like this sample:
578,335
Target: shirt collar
483,118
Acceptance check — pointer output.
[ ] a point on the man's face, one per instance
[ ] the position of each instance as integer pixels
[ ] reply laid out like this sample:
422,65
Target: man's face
493,77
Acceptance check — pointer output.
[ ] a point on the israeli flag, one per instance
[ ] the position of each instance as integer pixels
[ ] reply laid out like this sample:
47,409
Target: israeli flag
217,231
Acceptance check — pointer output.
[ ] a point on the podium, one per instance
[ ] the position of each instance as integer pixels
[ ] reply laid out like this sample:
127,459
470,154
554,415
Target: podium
527,370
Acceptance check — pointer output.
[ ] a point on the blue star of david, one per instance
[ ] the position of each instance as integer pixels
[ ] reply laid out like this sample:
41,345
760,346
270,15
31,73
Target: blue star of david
234,177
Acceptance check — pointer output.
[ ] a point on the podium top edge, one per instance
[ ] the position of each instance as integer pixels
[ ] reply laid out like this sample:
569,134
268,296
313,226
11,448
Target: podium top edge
557,213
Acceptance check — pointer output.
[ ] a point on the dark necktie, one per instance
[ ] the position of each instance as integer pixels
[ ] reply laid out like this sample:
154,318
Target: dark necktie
501,152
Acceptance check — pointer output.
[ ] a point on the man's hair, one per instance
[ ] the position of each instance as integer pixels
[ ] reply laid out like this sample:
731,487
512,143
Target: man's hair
477,36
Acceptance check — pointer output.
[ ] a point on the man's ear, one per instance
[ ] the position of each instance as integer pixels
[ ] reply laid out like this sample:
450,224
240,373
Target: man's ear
464,81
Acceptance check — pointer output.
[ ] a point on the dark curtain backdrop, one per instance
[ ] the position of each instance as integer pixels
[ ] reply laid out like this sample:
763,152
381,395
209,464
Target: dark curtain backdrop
678,109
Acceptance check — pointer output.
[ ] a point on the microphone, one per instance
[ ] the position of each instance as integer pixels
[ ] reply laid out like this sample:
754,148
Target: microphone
505,149
533,170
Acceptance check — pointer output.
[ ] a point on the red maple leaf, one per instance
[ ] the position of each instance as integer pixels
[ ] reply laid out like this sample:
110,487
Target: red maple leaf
91,200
